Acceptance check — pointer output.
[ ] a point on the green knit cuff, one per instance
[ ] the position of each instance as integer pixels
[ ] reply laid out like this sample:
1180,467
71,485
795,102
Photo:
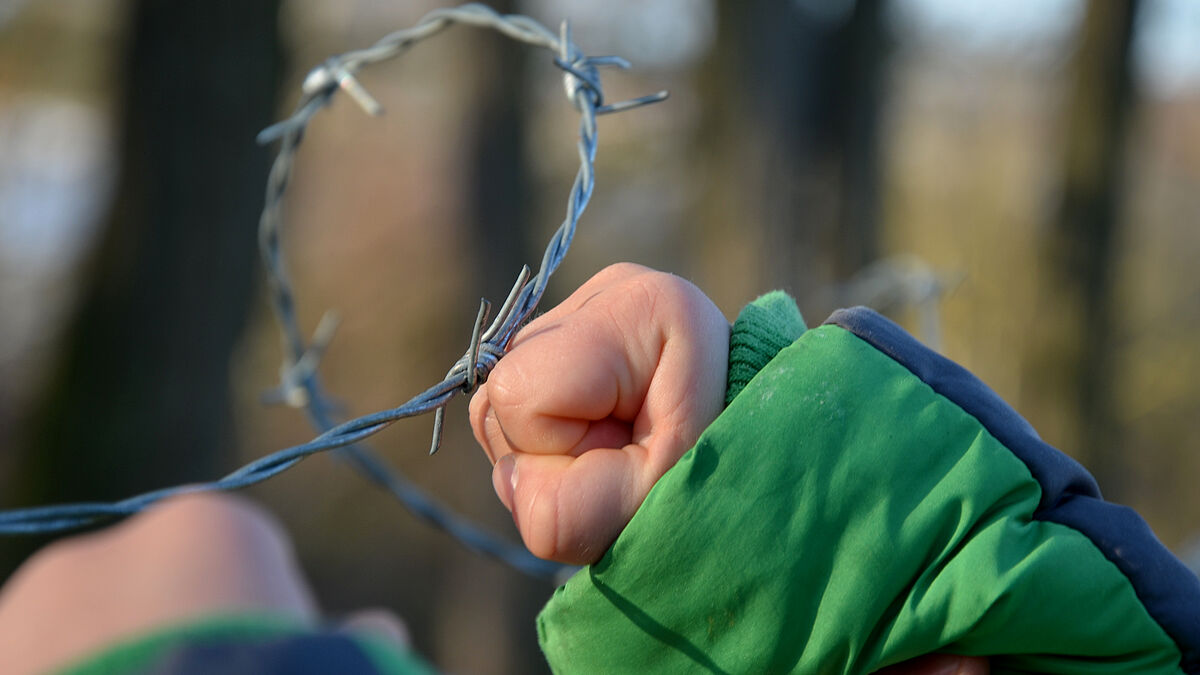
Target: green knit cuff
763,328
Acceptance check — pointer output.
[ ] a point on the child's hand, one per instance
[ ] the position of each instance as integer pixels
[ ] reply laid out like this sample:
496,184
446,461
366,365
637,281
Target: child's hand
594,402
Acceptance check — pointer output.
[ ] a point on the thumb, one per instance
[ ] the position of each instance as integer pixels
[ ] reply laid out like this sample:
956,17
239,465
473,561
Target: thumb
570,509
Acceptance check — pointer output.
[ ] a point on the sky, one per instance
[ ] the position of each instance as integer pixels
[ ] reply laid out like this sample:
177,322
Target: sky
674,33
1166,45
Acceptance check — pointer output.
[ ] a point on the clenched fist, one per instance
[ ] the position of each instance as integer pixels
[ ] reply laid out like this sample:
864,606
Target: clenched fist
595,400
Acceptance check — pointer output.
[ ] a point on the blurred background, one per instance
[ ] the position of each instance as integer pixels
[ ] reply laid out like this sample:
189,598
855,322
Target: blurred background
1016,182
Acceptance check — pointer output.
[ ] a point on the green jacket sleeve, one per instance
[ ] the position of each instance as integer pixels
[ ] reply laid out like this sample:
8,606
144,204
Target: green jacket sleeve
862,501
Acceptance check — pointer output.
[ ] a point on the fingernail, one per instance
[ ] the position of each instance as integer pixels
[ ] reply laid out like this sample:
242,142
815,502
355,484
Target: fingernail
504,479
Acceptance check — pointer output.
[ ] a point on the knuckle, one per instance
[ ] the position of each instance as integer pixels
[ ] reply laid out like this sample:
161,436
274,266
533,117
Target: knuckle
620,270
664,288
668,299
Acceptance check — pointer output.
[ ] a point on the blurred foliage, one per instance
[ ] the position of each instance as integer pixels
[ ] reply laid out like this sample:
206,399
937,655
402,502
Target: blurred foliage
803,142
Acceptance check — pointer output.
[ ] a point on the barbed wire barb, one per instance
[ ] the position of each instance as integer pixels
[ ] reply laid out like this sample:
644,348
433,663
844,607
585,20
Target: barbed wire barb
470,363
292,373
299,383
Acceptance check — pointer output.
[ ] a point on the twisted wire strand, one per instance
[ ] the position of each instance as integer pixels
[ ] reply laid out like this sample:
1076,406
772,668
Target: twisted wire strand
299,384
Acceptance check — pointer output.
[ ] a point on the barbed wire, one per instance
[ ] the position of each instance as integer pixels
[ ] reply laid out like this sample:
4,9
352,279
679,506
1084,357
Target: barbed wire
897,282
299,384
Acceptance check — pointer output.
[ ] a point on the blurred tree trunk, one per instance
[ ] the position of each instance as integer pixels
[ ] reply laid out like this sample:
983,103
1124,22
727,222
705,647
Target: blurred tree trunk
864,49
500,207
141,395
498,184
795,91
1069,373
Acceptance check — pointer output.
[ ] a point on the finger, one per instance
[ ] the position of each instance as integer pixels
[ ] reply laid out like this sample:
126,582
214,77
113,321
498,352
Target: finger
211,550
606,433
187,557
595,356
565,375
686,391
570,509
482,416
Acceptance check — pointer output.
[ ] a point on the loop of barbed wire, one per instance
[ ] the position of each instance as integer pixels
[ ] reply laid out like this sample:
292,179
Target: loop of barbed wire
299,384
